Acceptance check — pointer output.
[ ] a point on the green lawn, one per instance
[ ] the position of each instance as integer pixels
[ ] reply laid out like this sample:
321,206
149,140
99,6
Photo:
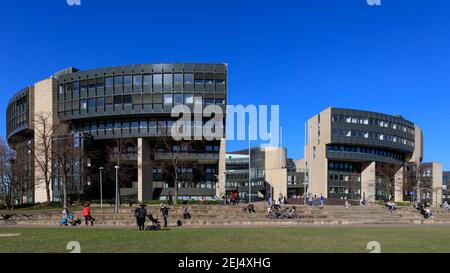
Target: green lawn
305,239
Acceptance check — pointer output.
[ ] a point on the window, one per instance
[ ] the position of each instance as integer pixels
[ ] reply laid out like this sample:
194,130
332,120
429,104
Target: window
83,104
109,125
178,98
147,80
137,80
209,101
188,99
127,80
220,101
157,79
118,81
198,78
168,79
91,103
109,82
168,99
188,78
209,78
117,125
220,78
143,124
178,78
126,124
198,101
117,100
134,124
127,99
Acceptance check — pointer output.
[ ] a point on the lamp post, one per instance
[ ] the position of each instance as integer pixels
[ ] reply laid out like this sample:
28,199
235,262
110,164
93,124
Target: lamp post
116,204
306,166
101,187
249,168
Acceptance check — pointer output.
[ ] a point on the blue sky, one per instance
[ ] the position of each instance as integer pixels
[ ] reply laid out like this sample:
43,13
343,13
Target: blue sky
303,55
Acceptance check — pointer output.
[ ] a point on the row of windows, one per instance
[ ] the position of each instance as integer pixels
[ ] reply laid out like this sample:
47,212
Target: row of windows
233,185
372,136
340,166
344,177
17,114
371,121
139,83
142,126
366,150
119,102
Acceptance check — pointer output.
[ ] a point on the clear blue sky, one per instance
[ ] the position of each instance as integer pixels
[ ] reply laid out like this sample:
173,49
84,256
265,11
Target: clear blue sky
303,55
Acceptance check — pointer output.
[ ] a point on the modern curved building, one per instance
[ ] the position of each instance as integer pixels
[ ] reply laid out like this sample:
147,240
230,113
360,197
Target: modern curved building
118,116
354,154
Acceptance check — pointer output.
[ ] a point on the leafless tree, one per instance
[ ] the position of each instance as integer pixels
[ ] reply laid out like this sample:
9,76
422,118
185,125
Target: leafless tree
64,154
43,135
121,151
174,159
386,173
6,159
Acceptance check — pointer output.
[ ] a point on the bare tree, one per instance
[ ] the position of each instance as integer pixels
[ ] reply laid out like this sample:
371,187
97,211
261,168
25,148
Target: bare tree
65,151
121,151
174,159
386,173
43,135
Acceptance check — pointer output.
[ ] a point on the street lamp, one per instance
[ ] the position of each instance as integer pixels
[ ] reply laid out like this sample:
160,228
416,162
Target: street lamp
116,204
101,187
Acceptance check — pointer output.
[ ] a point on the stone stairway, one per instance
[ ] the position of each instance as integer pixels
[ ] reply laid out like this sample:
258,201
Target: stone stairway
216,215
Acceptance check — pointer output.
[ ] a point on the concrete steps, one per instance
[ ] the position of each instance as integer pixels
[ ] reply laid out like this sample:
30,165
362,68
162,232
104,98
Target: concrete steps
217,215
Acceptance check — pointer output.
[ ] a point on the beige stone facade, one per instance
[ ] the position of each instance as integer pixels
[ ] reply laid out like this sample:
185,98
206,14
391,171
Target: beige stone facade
275,170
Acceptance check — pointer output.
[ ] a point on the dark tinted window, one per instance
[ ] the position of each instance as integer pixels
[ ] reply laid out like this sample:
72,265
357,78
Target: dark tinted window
127,99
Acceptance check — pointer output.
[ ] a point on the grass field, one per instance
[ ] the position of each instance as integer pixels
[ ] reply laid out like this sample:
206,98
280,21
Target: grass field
229,240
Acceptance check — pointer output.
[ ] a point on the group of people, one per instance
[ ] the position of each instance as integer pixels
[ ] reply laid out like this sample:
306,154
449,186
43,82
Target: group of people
313,200
276,212
68,218
232,199
390,205
141,215
424,209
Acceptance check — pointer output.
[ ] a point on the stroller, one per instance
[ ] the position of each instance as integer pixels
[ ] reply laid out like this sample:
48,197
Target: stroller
70,220
155,225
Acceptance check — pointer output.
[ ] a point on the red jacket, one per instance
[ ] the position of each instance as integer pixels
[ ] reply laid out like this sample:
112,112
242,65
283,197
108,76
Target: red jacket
87,211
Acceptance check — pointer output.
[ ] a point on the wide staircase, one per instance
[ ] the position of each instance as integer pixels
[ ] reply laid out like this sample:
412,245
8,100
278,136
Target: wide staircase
217,215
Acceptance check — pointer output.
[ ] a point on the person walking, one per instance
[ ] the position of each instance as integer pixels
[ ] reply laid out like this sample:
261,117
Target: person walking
140,213
170,198
165,214
87,215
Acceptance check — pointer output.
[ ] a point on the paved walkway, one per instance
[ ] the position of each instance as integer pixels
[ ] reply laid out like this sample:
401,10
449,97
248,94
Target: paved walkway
235,226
